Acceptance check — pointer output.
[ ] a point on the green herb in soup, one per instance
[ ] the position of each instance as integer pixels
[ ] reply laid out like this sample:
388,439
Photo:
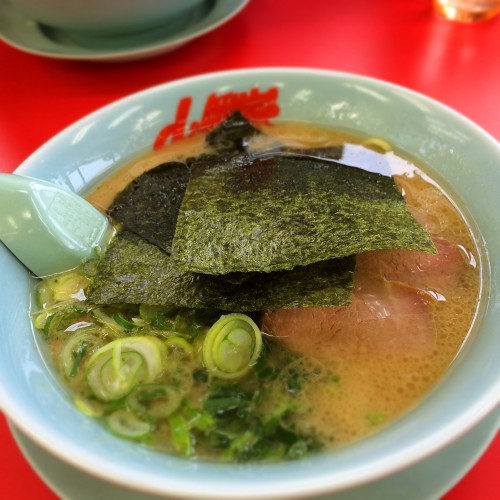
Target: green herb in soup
254,365
165,377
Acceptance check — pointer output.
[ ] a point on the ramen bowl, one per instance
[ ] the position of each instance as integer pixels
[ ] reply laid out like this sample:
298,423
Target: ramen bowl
455,150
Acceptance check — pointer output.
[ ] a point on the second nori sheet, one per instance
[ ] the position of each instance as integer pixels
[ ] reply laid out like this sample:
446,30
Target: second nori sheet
134,271
232,135
274,214
149,205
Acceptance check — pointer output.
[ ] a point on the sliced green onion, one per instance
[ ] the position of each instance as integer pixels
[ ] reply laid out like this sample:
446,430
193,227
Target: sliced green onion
44,296
177,342
80,352
81,308
40,320
68,285
103,382
89,268
124,322
127,425
108,321
197,418
118,377
46,327
72,353
232,346
116,368
154,400
139,322
155,313
182,439
298,449
243,443
89,407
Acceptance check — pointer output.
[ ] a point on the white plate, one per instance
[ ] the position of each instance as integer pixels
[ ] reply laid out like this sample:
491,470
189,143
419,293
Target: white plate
427,480
25,34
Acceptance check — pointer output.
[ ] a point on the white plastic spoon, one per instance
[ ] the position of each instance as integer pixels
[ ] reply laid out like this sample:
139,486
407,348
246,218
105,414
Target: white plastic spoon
48,228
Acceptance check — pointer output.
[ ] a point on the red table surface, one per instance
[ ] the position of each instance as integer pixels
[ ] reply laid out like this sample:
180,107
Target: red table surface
399,41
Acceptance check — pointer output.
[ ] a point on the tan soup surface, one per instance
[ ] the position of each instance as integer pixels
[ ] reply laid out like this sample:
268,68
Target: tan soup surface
410,315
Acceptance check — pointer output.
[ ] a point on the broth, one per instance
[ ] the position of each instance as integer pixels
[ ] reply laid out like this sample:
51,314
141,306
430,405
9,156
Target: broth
342,383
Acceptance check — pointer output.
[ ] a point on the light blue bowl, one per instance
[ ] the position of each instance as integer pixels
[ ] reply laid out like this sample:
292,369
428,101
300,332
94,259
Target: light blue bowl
457,151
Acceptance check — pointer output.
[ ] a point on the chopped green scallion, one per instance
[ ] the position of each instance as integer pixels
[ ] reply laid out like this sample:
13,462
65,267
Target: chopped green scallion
232,346
80,352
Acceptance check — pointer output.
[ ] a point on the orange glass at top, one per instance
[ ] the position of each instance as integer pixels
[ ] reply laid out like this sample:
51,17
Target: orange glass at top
467,11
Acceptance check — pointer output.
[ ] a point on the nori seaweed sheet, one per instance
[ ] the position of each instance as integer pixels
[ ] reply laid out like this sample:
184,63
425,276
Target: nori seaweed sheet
275,214
232,135
134,271
149,205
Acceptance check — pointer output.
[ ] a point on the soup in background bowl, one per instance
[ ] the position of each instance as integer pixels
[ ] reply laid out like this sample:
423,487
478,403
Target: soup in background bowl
454,151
